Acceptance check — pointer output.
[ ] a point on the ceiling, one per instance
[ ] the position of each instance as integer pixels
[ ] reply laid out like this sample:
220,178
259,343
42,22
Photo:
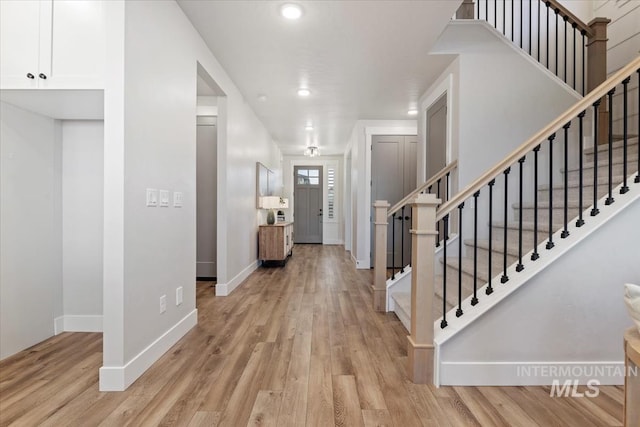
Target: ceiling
360,59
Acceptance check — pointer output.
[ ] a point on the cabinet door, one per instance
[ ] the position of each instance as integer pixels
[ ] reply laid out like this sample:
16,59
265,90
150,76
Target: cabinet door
19,43
76,57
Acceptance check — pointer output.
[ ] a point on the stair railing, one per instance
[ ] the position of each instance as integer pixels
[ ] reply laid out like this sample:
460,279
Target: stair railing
571,49
387,260
561,143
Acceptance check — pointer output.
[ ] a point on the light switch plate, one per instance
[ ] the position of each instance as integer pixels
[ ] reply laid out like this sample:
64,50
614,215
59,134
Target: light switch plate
178,198
152,197
164,198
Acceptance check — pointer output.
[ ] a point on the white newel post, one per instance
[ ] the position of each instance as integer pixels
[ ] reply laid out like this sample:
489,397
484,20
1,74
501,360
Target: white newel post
380,208
423,244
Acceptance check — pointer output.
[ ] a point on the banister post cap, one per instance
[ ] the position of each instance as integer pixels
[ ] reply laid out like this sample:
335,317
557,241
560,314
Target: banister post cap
426,200
381,204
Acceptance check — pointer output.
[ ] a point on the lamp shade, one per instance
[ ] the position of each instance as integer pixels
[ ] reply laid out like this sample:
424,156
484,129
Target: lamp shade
270,202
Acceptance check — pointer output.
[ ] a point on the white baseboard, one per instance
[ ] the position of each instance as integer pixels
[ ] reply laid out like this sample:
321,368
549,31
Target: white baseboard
76,323
530,373
118,378
224,289
333,242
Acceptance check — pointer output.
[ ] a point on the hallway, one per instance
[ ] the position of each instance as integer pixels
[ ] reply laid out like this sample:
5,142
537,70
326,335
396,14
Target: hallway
293,346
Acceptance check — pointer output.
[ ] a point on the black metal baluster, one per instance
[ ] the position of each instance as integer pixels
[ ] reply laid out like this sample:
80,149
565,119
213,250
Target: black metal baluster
504,17
521,23
402,241
489,290
566,79
565,232
535,255
520,266
610,199
478,13
513,6
556,37
486,10
575,84
459,310
625,136
447,194
595,211
584,54
495,14
474,300
637,180
538,28
429,189
580,221
530,29
393,246
505,278
550,243
443,323
438,196
547,57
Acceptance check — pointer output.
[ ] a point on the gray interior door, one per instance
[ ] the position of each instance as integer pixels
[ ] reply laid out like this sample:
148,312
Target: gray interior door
436,147
206,197
307,209
393,175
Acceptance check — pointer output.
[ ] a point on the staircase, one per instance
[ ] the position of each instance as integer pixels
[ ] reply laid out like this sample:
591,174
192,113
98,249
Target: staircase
402,297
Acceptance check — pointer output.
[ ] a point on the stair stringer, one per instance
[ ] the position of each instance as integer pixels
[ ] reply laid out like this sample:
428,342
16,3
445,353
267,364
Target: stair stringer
493,340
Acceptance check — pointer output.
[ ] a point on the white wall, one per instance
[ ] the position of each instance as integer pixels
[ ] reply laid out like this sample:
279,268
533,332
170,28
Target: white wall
150,128
332,229
82,220
360,147
571,314
30,228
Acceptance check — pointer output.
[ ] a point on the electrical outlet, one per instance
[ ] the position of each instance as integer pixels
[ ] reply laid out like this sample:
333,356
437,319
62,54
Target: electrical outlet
163,304
152,197
164,198
179,295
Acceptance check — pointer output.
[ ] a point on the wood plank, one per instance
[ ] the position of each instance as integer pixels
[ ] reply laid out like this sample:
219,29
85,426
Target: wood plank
346,402
265,409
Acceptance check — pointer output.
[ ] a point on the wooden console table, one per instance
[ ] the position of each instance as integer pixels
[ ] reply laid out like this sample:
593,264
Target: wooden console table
275,242
631,380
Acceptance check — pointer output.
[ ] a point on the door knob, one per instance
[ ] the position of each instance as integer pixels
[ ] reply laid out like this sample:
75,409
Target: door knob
43,76
30,76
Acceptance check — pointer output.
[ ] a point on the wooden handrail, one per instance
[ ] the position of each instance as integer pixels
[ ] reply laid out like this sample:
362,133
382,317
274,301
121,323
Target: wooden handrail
554,4
539,137
431,181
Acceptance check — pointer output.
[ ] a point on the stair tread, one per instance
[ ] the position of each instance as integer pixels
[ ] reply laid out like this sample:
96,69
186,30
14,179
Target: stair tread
496,246
528,226
574,183
631,140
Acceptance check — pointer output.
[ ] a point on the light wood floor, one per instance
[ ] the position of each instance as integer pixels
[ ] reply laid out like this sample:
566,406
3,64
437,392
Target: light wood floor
293,346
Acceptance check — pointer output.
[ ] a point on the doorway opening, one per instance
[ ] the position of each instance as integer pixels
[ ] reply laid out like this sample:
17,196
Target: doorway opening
436,136
393,176
307,195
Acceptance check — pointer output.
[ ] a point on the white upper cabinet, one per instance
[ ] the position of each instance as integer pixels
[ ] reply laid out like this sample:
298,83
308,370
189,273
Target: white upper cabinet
52,44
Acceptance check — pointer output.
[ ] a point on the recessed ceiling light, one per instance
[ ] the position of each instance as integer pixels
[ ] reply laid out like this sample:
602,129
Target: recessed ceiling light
304,92
413,112
308,127
291,11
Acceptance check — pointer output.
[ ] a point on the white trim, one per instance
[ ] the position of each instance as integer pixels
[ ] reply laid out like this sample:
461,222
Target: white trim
510,373
76,323
362,264
224,289
333,242
445,87
58,325
118,378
